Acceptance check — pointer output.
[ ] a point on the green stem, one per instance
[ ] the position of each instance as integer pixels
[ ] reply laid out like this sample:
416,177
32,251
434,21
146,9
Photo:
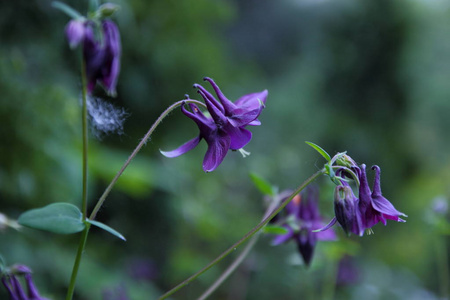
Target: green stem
245,237
85,138
84,126
231,268
102,198
76,265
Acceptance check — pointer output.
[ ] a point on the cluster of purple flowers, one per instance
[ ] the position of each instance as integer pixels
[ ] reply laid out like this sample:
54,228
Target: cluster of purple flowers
15,290
356,214
301,217
224,128
101,51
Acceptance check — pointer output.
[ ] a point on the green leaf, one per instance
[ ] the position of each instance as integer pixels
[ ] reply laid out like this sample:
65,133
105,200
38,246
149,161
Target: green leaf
62,218
320,150
262,185
67,10
106,228
275,229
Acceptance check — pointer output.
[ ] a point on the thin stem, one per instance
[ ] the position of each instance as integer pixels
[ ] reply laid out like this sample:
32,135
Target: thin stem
231,268
84,129
76,265
85,138
102,198
245,237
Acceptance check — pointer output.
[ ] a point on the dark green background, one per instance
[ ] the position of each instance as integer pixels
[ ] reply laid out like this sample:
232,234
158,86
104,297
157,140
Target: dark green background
367,77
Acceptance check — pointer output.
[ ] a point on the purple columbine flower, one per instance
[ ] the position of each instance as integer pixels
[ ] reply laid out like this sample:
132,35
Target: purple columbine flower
302,217
101,55
14,287
358,214
224,129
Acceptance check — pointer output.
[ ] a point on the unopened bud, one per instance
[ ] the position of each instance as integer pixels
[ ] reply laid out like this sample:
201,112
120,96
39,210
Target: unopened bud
107,10
345,209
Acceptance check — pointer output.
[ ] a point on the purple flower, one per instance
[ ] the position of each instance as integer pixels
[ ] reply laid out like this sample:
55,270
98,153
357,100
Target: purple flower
358,214
224,129
101,55
302,217
14,287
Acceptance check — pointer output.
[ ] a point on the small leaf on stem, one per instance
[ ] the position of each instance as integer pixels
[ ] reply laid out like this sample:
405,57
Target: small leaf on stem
262,185
106,228
273,229
62,218
320,150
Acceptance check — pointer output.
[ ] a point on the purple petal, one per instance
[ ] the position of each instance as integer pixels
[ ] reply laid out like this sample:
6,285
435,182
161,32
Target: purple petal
388,210
227,104
306,242
252,101
281,238
207,95
8,285
113,48
242,117
331,223
205,125
33,293
326,235
216,114
217,150
18,291
182,149
239,137
380,203
254,123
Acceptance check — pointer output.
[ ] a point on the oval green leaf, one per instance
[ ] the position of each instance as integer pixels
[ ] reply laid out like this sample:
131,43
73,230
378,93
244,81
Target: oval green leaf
61,218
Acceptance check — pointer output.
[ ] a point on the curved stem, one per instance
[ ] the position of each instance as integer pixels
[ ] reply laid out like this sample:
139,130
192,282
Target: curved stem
245,237
231,268
102,198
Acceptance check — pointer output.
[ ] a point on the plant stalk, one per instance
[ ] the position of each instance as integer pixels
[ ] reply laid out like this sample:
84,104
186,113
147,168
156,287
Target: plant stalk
245,237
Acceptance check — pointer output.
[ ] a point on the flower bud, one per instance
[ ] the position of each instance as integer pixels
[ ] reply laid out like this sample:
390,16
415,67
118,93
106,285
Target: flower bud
345,161
107,10
346,210
75,32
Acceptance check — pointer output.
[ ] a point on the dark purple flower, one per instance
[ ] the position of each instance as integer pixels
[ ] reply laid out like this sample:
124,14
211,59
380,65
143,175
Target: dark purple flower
14,288
101,55
224,129
358,214
302,217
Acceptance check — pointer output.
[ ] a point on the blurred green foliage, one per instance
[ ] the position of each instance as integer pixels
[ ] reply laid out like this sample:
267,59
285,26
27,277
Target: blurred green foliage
367,77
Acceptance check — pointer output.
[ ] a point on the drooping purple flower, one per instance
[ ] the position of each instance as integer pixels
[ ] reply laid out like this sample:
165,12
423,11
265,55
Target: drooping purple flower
101,52
358,214
14,287
302,216
224,129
